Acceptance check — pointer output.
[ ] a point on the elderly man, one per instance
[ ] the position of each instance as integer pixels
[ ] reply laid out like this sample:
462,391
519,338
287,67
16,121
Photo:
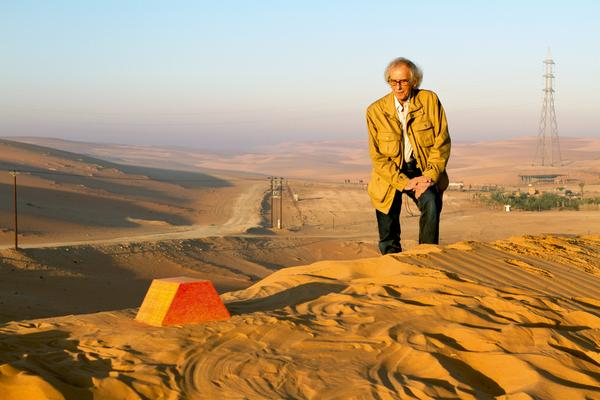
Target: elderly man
409,146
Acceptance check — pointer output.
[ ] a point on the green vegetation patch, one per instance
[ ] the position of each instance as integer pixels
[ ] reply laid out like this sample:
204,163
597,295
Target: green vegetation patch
539,202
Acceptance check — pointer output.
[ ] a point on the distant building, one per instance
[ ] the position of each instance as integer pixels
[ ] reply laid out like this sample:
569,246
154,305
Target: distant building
543,178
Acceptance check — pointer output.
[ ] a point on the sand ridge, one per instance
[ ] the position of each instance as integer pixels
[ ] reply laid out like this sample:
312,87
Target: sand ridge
429,323
42,282
70,197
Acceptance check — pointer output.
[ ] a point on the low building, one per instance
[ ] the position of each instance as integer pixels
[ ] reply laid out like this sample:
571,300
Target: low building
543,178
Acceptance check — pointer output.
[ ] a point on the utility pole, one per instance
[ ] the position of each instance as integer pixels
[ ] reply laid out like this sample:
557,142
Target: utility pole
14,174
280,203
271,194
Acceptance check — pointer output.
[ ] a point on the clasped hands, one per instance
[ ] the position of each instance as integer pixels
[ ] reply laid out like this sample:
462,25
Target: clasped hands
419,184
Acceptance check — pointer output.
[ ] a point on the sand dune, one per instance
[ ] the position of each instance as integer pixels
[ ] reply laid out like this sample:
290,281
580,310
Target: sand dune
65,196
513,319
55,281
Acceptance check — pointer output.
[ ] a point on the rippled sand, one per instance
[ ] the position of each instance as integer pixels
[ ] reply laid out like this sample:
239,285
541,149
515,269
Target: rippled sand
513,319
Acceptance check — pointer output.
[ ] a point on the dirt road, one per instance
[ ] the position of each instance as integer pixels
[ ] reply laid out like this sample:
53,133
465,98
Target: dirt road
245,215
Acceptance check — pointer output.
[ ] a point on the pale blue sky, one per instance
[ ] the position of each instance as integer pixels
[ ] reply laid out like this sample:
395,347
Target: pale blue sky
234,74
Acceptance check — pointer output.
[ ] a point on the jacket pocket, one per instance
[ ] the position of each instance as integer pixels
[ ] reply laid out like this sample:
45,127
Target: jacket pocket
377,188
389,143
424,133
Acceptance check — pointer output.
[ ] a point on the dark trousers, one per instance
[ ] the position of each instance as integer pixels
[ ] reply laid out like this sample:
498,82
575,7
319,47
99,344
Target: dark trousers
430,205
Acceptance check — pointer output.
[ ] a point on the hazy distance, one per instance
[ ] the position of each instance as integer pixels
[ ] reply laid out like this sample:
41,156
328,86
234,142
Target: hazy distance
237,75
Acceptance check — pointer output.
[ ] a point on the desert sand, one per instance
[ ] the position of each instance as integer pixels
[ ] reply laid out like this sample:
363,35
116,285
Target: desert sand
70,197
507,306
512,319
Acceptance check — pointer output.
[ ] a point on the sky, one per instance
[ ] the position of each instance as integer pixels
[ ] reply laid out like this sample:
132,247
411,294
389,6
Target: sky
241,74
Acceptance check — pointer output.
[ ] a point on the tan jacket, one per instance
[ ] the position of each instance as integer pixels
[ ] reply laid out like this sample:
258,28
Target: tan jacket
428,134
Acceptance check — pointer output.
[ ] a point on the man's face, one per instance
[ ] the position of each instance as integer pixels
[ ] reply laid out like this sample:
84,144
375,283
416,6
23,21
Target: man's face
400,82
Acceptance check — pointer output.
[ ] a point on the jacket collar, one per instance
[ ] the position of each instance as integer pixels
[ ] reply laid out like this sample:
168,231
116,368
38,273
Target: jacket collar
389,105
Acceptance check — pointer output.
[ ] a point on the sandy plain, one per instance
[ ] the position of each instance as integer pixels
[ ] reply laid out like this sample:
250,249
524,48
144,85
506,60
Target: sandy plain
506,307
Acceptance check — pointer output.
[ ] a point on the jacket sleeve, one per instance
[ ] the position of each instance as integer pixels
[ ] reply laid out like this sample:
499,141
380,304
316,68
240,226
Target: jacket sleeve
383,166
440,151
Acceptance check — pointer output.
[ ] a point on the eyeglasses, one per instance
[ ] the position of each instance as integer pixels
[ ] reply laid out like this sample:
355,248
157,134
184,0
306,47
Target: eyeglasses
402,82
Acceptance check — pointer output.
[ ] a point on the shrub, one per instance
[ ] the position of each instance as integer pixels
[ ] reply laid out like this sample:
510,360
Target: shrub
545,201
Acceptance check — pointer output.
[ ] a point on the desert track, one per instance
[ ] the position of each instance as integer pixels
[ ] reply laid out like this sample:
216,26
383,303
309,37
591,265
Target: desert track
245,215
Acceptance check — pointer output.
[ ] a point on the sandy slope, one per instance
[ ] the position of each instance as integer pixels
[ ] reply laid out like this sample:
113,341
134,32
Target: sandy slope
514,319
55,281
244,214
65,196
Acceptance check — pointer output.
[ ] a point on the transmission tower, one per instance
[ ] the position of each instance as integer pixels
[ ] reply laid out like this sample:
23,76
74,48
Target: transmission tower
548,146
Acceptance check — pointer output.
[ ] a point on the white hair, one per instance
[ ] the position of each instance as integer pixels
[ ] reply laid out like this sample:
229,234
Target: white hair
416,75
